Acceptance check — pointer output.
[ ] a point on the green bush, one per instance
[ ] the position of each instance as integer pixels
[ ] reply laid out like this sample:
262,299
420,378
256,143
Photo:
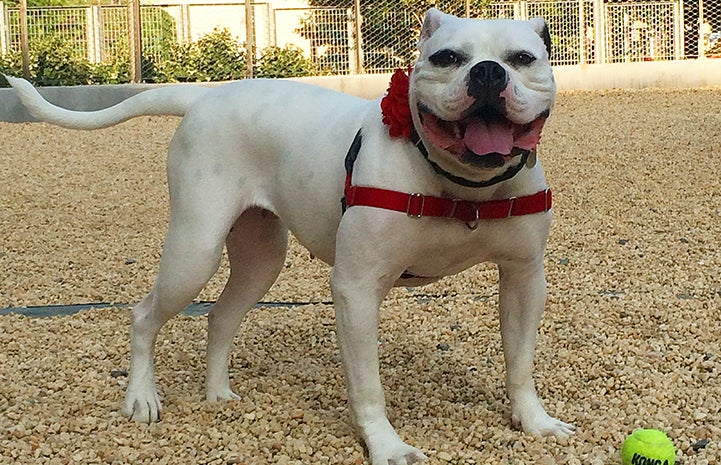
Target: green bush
216,56
54,62
276,62
10,64
114,71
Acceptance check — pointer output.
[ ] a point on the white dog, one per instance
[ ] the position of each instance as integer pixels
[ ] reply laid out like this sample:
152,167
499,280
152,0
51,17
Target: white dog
440,175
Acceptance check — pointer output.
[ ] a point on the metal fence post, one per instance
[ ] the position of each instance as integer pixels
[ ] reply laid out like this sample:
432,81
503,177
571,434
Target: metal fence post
94,34
522,10
678,30
135,41
701,51
24,39
358,37
249,39
3,30
582,31
681,43
599,25
184,24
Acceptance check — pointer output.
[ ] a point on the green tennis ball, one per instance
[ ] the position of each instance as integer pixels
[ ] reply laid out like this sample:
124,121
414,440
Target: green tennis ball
648,447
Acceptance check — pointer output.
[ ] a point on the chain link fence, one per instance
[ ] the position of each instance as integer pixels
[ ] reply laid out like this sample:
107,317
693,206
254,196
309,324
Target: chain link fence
373,36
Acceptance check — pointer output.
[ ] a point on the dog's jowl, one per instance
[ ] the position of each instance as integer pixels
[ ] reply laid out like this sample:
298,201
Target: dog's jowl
439,175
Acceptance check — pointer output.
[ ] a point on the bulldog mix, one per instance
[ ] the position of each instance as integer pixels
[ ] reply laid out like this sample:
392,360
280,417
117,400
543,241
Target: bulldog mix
440,175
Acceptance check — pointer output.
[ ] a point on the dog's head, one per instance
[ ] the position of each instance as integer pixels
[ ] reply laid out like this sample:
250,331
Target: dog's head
480,92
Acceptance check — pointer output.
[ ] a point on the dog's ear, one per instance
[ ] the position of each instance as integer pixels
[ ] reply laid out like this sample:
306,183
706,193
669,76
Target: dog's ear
431,23
539,25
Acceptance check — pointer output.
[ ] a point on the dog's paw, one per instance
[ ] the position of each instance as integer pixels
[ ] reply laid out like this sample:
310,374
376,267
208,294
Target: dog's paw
539,423
142,407
387,448
220,395
398,454
528,415
550,427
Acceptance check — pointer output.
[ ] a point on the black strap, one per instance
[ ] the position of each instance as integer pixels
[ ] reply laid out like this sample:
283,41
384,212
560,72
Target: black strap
350,159
506,175
355,147
352,154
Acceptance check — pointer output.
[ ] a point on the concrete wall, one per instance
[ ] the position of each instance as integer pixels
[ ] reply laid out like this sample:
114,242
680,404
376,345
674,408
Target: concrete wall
672,74
640,75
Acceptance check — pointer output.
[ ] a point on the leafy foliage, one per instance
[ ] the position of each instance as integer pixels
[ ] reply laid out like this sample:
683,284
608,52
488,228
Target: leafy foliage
216,56
10,64
56,63
53,62
113,71
279,62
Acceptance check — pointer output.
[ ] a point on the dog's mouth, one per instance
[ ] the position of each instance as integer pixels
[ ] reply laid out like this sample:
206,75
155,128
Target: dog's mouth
485,138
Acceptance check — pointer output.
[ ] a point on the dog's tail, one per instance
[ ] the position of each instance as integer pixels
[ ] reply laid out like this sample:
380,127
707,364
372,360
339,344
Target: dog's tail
167,100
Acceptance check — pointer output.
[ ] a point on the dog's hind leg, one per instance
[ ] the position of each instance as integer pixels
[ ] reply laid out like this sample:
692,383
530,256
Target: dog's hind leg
199,225
256,247
185,268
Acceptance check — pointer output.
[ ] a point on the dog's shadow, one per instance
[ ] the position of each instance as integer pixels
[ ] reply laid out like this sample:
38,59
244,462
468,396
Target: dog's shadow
435,362
447,363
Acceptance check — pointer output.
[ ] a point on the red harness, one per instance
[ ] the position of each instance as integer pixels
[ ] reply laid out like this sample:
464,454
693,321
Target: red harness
418,205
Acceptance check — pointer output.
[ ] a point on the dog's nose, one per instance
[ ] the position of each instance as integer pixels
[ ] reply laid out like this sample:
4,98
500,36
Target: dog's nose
488,76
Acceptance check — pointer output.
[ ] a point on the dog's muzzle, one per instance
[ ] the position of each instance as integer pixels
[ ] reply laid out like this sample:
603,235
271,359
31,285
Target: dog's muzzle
484,136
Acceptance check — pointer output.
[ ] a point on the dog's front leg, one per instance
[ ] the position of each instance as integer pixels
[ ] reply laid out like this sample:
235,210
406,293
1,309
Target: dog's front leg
522,298
359,286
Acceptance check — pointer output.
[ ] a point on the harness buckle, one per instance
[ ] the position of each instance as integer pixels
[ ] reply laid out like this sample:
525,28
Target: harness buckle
511,202
454,206
422,198
473,225
547,199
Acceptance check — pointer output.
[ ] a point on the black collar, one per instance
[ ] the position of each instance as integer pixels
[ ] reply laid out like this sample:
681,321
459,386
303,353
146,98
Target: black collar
508,174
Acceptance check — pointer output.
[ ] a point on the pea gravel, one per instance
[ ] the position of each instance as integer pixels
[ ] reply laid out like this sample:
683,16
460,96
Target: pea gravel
631,336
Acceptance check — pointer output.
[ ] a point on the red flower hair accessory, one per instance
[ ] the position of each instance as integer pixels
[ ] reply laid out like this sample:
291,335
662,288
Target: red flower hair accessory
395,107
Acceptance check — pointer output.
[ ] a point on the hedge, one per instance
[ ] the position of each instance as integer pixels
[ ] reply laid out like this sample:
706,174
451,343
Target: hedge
216,56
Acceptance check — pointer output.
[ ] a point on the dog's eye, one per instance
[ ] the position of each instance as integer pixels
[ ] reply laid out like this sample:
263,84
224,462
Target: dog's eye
446,58
522,59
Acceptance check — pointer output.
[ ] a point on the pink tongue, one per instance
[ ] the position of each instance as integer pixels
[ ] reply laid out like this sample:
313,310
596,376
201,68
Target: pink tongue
483,138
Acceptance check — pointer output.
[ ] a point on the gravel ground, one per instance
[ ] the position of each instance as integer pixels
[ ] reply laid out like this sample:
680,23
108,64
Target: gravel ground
631,336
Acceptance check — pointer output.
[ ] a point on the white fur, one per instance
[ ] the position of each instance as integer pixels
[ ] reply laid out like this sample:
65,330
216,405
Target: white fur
254,159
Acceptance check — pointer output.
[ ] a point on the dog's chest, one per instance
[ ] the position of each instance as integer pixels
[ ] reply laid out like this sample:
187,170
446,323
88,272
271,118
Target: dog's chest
444,247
